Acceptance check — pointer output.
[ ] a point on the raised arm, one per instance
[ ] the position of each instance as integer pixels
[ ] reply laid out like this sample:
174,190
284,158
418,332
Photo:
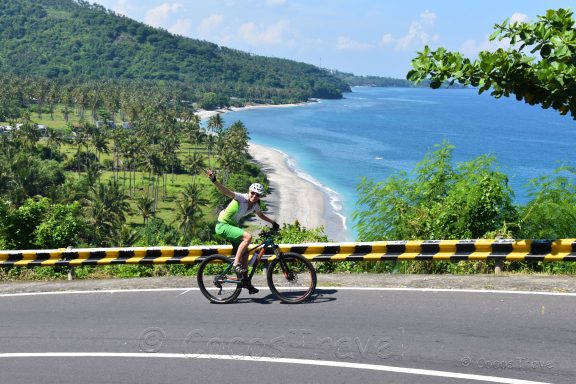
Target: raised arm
219,185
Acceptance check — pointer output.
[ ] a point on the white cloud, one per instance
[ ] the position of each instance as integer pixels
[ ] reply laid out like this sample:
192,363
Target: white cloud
275,2
419,33
158,16
387,39
273,34
182,27
428,17
123,7
346,43
473,47
518,18
209,23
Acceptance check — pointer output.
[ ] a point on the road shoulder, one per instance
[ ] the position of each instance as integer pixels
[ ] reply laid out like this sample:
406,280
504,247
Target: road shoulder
506,282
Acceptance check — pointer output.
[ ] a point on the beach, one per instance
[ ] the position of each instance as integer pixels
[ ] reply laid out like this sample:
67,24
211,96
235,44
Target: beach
204,114
291,197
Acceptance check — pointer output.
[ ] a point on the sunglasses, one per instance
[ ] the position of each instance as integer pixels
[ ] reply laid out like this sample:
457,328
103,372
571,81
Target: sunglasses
255,194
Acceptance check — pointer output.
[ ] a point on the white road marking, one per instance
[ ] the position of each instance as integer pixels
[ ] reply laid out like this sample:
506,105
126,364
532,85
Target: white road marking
323,363
186,290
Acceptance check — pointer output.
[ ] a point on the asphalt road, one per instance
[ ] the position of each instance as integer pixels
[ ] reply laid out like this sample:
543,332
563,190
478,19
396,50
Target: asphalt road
343,336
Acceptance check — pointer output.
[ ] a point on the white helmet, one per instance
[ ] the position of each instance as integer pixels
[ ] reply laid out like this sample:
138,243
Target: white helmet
257,188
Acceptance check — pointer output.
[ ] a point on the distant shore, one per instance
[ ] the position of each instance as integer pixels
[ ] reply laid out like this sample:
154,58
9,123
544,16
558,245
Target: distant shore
204,114
292,198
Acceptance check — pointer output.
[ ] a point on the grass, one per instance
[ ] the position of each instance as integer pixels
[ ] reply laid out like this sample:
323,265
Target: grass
95,272
166,207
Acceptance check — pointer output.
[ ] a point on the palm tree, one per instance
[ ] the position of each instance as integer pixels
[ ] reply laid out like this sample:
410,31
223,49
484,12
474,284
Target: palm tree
189,211
233,148
52,97
134,154
6,169
107,211
192,128
230,162
126,236
170,144
28,132
100,142
81,139
237,137
153,163
93,173
195,165
215,128
210,144
99,221
145,206
54,139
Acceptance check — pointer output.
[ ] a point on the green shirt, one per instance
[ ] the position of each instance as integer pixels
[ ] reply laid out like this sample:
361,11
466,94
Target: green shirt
237,209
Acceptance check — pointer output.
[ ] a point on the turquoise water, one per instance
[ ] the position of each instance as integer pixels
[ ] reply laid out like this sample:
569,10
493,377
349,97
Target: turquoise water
376,132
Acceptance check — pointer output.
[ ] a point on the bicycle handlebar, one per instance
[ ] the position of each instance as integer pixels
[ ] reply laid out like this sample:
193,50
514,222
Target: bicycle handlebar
269,233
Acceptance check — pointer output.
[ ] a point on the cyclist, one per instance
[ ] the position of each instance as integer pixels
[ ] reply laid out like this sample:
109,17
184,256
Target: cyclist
242,204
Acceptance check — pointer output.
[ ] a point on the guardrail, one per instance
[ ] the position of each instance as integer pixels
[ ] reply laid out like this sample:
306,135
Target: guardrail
439,250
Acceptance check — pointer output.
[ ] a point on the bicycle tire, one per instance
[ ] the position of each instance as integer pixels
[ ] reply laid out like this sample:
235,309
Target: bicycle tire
297,284
218,290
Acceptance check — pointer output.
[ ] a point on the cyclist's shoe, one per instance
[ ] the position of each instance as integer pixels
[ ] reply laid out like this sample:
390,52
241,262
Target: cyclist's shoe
240,269
246,284
251,289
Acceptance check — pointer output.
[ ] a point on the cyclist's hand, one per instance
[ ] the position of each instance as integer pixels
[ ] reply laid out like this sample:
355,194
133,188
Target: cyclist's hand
211,175
275,226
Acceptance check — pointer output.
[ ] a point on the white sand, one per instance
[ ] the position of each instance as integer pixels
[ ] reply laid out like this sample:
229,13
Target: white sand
204,114
292,198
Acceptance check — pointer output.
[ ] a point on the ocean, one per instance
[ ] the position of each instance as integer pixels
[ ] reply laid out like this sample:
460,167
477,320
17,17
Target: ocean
378,132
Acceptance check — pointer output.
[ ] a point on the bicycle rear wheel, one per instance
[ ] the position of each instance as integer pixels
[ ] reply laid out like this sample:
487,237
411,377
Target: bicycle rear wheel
291,278
217,280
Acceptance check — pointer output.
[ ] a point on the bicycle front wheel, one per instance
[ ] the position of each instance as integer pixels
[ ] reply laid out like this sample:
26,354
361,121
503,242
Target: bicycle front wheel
291,278
217,280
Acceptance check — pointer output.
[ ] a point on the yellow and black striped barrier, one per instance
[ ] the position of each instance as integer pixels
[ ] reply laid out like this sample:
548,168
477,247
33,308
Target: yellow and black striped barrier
439,250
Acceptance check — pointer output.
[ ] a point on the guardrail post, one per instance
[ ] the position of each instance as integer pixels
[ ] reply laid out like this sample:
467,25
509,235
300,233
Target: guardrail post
498,267
71,271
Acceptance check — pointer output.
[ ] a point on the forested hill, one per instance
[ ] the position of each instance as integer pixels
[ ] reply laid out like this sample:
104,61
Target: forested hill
62,39
375,81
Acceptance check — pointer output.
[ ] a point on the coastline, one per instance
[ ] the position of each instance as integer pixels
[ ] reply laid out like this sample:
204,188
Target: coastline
293,196
204,114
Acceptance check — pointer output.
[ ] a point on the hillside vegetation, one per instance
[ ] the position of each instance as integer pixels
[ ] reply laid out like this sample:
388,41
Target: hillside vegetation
69,39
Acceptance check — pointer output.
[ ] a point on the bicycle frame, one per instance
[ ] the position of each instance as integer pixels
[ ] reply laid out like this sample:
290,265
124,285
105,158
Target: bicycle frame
269,242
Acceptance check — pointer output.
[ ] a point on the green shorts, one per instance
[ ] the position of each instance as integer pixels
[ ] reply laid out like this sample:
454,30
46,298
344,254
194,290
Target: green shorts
230,232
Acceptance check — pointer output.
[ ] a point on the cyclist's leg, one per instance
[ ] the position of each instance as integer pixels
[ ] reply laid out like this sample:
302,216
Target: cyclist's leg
241,255
240,240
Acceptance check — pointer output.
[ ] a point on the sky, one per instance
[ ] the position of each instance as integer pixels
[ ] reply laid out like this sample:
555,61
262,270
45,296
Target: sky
363,37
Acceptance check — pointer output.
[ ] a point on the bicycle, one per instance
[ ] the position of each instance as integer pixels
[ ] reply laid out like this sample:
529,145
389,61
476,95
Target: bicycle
290,276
